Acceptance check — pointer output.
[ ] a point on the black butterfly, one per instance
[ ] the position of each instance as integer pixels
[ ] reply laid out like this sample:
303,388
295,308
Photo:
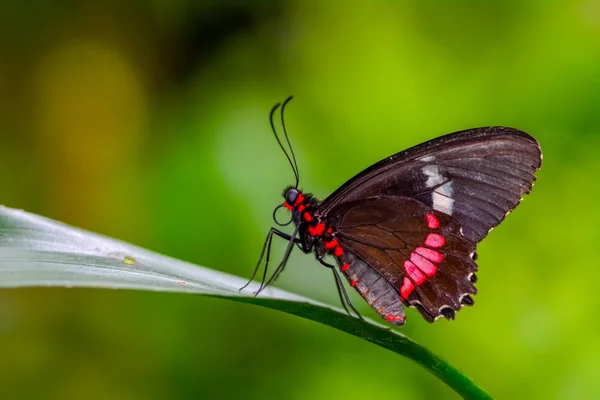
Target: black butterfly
404,231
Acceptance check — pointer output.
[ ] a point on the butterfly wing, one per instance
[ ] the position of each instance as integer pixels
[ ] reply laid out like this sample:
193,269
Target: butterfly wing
414,219
477,176
418,251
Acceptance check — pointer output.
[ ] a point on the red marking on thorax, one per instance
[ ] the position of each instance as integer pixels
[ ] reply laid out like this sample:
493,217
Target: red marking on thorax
406,289
423,264
286,205
299,200
331,244
301,208
345,267
316,230
434,240
432,221
307,216
338,251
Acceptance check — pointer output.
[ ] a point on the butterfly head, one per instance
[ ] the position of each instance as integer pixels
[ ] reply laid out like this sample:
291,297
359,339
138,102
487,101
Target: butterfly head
293,198
290,195
298,204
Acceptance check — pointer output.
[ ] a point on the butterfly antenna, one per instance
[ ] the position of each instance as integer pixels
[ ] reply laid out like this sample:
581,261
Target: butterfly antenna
271,119
297,172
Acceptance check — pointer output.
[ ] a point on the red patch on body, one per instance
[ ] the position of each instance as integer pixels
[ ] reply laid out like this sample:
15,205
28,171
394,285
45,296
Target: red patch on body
434,240
406,289
431,255
390,317
338,251
432,221
299,199
415,273
301,208
316,230
423,264
286,205
307,216
331,244
345,267
329,230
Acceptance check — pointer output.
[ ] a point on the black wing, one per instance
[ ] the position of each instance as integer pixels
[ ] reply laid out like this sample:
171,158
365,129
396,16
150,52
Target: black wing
477,176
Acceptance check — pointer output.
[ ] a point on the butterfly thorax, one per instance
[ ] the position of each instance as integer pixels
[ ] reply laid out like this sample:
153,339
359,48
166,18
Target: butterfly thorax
314,232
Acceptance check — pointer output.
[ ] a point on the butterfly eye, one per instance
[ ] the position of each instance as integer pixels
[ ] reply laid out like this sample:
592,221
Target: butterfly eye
291,196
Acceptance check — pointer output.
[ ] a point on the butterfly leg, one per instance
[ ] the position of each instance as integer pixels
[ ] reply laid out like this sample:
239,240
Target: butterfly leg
344,298
267,248
292,239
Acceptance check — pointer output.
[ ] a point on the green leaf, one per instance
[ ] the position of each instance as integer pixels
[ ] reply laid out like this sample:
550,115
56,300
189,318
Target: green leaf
36,251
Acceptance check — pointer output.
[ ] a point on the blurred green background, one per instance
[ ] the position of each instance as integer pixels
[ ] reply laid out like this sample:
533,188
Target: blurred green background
147,121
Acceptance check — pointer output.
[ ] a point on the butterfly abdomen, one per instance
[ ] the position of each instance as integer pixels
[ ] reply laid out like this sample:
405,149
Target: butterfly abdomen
373,287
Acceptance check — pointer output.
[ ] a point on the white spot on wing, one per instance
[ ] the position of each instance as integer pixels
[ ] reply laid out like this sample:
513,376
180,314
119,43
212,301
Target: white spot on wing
432,172
442,198
426,158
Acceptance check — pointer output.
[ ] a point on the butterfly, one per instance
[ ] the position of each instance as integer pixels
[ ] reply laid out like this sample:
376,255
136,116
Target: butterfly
404,231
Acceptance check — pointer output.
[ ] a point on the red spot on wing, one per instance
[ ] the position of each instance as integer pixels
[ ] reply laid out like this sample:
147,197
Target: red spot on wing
406,289
434,240
423,264
354,282
431,255
331,244
345,267
316,230
415,273
338,251
307,216
329,230
432,221
286,205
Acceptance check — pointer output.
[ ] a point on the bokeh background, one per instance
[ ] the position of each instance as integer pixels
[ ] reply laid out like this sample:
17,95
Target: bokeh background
147,121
